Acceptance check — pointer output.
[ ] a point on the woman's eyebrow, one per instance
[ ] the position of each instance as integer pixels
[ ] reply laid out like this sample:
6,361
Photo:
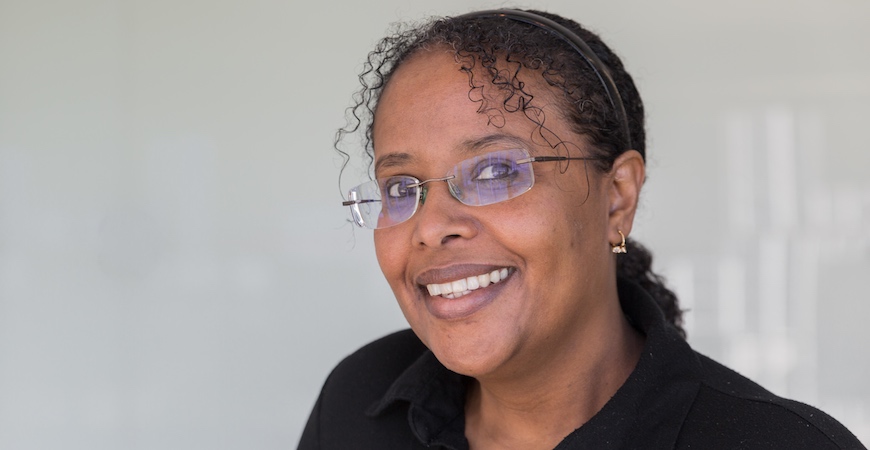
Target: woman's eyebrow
392,160
468,146
477,144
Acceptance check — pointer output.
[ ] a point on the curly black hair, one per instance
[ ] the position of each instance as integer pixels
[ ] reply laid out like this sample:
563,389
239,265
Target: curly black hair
502,50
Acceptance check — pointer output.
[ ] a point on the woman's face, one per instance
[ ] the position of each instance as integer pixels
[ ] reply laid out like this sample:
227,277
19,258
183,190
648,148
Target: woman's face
553,240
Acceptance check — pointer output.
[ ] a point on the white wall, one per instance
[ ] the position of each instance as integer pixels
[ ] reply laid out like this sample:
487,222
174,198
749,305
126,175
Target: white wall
176,271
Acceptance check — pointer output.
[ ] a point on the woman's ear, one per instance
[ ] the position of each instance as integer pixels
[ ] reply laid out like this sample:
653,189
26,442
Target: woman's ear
626,179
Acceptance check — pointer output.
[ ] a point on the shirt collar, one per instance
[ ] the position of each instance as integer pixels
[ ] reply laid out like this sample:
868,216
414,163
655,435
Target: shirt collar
437,401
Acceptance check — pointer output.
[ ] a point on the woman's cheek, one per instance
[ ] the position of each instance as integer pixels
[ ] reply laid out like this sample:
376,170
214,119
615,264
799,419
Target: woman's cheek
390,257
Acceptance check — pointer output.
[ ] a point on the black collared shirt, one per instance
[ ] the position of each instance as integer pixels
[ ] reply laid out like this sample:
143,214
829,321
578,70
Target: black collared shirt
394,394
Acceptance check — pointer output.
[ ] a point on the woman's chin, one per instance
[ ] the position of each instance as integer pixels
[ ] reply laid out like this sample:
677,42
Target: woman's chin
469,358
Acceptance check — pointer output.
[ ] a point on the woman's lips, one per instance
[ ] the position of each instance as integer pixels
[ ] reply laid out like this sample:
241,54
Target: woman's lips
464,301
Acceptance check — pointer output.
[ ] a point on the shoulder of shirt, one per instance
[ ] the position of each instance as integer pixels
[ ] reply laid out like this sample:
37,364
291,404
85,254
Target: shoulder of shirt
340,420
731,404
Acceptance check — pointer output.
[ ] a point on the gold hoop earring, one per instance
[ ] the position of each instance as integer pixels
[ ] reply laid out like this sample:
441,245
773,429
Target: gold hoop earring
619,248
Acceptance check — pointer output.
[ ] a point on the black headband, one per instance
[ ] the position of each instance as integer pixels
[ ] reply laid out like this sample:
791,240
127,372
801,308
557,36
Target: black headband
577,44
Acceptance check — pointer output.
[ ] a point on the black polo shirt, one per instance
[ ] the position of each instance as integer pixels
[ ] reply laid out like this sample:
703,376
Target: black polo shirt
394,394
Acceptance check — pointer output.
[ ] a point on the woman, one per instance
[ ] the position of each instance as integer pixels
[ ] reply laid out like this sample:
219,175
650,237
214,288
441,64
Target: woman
508,155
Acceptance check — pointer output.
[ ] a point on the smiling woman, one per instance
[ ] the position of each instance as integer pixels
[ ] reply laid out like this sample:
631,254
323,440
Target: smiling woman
508,154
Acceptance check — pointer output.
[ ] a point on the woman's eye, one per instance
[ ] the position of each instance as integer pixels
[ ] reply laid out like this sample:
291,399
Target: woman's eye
495,171
398,189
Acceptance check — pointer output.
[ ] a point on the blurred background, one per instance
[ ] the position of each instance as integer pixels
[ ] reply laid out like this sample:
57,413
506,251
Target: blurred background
176,271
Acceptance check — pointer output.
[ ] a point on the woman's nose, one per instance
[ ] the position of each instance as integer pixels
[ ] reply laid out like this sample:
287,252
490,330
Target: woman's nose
441,218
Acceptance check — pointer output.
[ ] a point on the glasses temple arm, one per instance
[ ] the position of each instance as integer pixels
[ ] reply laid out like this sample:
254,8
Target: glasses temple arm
356,202
555,158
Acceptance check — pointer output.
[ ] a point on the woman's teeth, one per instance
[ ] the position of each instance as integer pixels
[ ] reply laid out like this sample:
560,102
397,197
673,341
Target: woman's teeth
458,288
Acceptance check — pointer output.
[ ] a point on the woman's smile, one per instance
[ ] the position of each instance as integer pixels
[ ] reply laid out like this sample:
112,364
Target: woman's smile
471,294
450,293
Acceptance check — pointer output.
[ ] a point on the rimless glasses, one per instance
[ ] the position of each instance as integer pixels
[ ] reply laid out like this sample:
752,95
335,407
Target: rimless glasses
483,180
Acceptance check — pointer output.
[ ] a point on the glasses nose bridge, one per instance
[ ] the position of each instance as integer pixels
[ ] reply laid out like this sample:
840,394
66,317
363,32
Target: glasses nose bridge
425,189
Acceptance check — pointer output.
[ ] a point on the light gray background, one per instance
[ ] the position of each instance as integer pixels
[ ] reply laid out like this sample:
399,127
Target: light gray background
176,271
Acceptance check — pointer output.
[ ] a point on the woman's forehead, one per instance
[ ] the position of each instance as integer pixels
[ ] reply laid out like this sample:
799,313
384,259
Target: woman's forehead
431,93
497,83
